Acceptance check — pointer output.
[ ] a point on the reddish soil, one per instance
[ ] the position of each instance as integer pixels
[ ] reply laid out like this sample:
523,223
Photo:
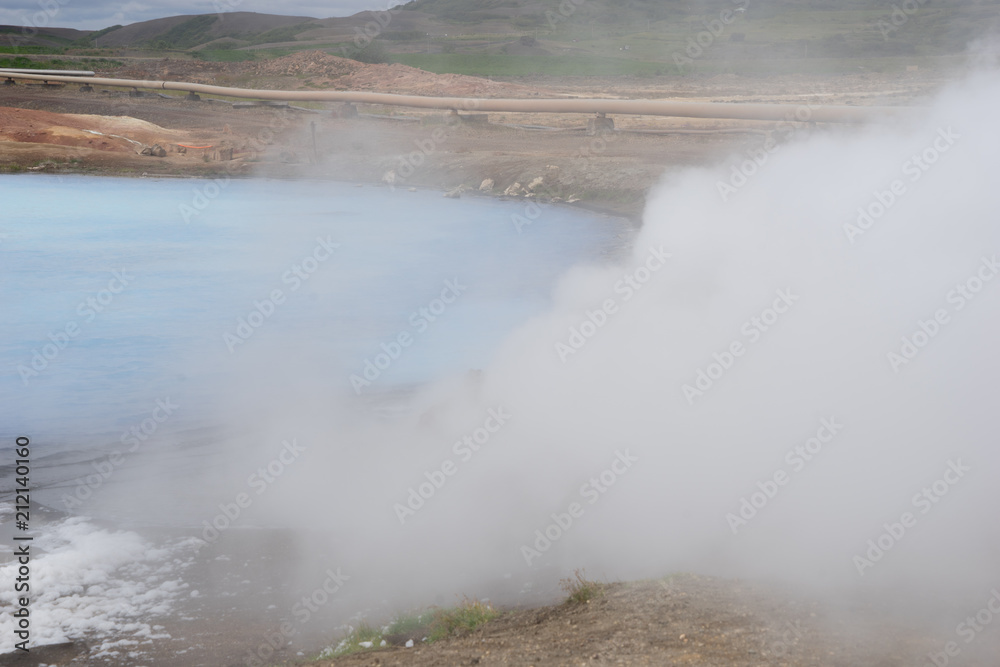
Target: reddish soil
115,134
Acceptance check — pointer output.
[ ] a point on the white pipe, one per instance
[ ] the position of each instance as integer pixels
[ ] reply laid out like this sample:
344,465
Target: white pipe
56,72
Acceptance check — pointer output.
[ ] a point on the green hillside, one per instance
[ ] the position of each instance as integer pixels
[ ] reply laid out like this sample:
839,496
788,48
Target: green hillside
576,37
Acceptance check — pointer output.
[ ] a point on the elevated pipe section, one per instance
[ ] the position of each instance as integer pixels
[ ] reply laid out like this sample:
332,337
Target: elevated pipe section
719,110
55,72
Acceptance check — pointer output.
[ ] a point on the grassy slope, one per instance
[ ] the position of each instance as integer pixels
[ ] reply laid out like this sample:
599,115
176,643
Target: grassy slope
508,65
602,37
646,38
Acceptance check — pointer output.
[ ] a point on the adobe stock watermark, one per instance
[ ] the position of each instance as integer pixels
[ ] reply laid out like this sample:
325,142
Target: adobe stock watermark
221,7
899,16
740,174
963,293
594,147
263,309
968,630
371,30
753,328
532,211
436,478
592,491
413,161
566,9
790,635
420,321
796,457
915,167
259,482
302,611
628,286
134,436
925,500
698,45
88,309
47,11
202,196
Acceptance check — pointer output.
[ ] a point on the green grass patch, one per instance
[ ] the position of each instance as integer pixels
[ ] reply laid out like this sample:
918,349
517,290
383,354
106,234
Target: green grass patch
409,624
505,65
287,33
431,625
240,55
21,62
403,35
27,63
579,589
89,39
42,35
816,66
356,641
35,50
184,35
464,618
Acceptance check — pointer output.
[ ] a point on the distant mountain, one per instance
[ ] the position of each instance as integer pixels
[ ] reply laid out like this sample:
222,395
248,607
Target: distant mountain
192,30
649,36
13,36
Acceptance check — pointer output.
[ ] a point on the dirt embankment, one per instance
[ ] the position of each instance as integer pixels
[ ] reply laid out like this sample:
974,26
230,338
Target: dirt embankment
101,131
684,620
55,130
106,133
316,70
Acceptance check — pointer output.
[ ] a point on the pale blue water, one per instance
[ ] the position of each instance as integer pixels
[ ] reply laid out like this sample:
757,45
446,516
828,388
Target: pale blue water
61,239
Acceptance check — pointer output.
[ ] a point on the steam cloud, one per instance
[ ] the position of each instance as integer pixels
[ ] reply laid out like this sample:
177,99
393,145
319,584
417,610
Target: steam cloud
782,309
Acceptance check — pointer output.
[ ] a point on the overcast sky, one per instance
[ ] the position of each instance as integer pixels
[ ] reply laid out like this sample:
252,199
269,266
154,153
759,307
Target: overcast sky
97,14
